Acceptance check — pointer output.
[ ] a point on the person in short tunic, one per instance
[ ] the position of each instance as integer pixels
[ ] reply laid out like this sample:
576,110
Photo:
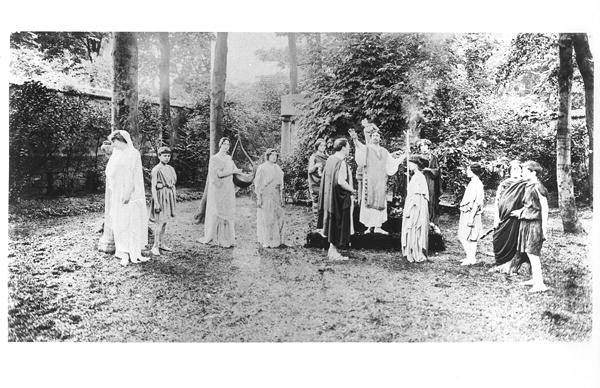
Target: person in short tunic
471,208
316,163
129,219
432,174
377,164
336,202
270,217
162,205
534,223
415,217
220,201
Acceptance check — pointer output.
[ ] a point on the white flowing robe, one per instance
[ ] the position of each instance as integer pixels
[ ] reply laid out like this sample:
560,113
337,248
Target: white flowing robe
270,217
124,175
220,202
378,165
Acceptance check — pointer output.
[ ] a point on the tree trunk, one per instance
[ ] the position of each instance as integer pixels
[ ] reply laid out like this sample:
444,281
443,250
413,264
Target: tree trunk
217,100
217,93
293,54
165,99
566,196
585,63
125,85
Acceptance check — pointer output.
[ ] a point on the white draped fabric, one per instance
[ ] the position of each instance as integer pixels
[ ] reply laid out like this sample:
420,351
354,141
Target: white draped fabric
378,165
124,177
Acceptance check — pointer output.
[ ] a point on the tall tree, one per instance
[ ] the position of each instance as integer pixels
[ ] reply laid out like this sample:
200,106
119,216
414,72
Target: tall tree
585,63
164,92
293,54
566,195
217,92
217,100
125,85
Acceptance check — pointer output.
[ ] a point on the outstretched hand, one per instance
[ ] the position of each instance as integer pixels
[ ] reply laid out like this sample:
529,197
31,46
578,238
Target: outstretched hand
352,133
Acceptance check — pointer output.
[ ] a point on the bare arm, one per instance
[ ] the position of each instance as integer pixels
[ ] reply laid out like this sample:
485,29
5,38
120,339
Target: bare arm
223,173
312,166
153,188
545,210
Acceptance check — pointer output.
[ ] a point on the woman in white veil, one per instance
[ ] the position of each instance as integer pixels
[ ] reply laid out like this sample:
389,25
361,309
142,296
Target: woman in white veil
124,175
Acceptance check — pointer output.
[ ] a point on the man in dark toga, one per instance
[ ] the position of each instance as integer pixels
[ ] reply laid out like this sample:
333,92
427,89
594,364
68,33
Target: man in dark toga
336,200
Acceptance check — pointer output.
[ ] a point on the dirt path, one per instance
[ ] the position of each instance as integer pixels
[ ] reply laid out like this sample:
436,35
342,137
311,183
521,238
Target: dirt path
60,288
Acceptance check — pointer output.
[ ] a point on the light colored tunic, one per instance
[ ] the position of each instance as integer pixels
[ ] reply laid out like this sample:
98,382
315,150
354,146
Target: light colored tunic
124,175
166,194
220,202
415,219
471,208
270,220
378,164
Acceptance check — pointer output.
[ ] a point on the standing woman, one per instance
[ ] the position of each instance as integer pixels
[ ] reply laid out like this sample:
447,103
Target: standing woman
220,201
125,178
471,208
268,185
415,218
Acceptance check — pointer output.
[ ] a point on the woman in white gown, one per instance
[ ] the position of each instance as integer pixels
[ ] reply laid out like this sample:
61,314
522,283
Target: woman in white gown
124,176
220,200
270,217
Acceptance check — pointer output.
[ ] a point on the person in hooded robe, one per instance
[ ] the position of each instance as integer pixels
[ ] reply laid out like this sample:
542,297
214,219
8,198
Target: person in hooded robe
415,217
270,217
432,175
124,177
220,202
509,197
336,201
376,164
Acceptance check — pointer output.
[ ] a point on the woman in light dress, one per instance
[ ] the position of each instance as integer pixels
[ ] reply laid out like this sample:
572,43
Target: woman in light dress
220,201
124,176
268,186
415,218
471,208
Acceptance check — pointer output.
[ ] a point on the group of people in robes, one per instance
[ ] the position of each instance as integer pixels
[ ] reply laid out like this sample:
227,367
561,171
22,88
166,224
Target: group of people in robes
126,217
520,219
336,196
521,222
219,222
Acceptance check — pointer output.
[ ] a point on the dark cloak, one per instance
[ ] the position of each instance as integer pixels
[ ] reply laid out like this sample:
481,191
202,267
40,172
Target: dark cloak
334,205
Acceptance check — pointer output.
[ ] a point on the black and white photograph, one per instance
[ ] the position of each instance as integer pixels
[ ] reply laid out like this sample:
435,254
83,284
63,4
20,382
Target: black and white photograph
420,190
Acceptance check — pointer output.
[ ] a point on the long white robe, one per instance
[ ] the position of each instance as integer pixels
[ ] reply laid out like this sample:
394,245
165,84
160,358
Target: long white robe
124,175
374,216
220,202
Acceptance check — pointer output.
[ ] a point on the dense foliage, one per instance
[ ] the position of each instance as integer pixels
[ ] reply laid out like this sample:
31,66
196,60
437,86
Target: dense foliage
476,97
53,134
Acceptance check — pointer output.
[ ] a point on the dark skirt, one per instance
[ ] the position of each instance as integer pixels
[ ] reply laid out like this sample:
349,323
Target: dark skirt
530,237
506,237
